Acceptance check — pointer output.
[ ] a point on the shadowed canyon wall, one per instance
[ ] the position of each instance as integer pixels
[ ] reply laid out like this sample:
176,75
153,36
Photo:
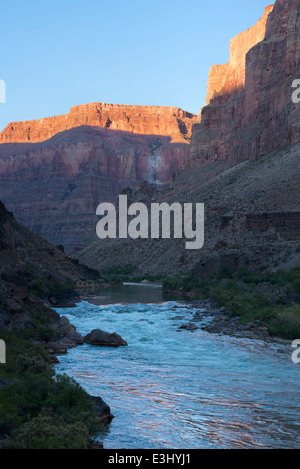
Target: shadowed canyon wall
53,186
55,171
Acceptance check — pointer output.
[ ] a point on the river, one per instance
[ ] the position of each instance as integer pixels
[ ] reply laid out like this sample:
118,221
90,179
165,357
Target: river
178,389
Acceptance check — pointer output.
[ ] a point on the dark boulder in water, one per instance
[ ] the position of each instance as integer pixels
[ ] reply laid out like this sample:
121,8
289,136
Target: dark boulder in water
98,337
189,327
102,410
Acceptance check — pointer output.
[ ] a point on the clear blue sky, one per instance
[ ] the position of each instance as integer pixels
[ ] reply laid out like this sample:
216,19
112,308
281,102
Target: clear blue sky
60,53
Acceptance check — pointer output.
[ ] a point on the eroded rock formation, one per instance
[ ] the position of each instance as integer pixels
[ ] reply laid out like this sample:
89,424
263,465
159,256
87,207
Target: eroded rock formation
249,110
145,120
230,78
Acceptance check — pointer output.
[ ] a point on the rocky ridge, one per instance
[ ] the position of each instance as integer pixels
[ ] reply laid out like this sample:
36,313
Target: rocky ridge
143,120
229,78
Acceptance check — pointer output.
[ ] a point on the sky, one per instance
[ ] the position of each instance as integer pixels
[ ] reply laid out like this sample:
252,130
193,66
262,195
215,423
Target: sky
61,53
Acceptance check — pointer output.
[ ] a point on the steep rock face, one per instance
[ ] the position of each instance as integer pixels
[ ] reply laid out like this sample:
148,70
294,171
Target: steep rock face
54,187
229,78
249,110
145,120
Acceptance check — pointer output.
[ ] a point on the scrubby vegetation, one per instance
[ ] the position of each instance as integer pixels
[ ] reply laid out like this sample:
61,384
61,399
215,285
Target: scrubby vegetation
38,409
270,299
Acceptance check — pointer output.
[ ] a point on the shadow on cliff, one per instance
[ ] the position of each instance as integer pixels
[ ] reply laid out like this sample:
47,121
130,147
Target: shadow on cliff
85,134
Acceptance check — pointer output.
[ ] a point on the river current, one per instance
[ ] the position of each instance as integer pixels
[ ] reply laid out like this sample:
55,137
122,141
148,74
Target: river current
179,389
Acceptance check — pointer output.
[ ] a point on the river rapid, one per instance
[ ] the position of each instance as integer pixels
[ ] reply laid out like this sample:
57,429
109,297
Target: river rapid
180,389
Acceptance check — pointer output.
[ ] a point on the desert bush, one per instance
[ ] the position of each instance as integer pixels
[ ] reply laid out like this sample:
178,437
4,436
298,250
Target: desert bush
286,322
48,431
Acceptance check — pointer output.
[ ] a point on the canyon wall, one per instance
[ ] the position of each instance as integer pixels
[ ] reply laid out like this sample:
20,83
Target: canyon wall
243,164
249,111
230,78
145,120
54,187
55,171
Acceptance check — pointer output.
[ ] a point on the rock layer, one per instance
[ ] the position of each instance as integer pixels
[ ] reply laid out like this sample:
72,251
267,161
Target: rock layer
250,112
145,120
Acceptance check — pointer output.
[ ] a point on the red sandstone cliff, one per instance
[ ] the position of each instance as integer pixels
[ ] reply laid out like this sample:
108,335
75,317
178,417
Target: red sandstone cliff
54,187
55,171
145,120
230,78
249,110
252,217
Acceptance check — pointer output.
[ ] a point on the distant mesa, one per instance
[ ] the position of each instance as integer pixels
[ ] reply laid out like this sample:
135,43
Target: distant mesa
143,120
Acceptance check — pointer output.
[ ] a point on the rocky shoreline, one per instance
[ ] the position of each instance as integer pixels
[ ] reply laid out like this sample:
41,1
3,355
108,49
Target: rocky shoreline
69,338
215,320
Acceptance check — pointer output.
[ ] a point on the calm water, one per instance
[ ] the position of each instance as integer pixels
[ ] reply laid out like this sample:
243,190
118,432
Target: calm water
182,390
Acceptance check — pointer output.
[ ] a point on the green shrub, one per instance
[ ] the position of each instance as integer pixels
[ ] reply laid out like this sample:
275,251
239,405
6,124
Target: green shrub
37,287
51,432
286,323
40,411
46,333
35,364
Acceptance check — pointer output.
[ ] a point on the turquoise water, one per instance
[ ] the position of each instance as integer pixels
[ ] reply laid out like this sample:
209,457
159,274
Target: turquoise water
182,390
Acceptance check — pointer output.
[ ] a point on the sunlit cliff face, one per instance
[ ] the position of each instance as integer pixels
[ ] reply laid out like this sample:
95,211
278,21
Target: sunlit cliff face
144,120
230,77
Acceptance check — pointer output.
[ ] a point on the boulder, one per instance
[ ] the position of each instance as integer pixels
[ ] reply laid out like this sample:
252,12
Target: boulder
98,337
13,306
65,329
102,410
189,327
61,346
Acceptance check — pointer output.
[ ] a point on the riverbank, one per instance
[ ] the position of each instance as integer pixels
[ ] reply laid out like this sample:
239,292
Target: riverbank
253,304
40,409
263,304
218,321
